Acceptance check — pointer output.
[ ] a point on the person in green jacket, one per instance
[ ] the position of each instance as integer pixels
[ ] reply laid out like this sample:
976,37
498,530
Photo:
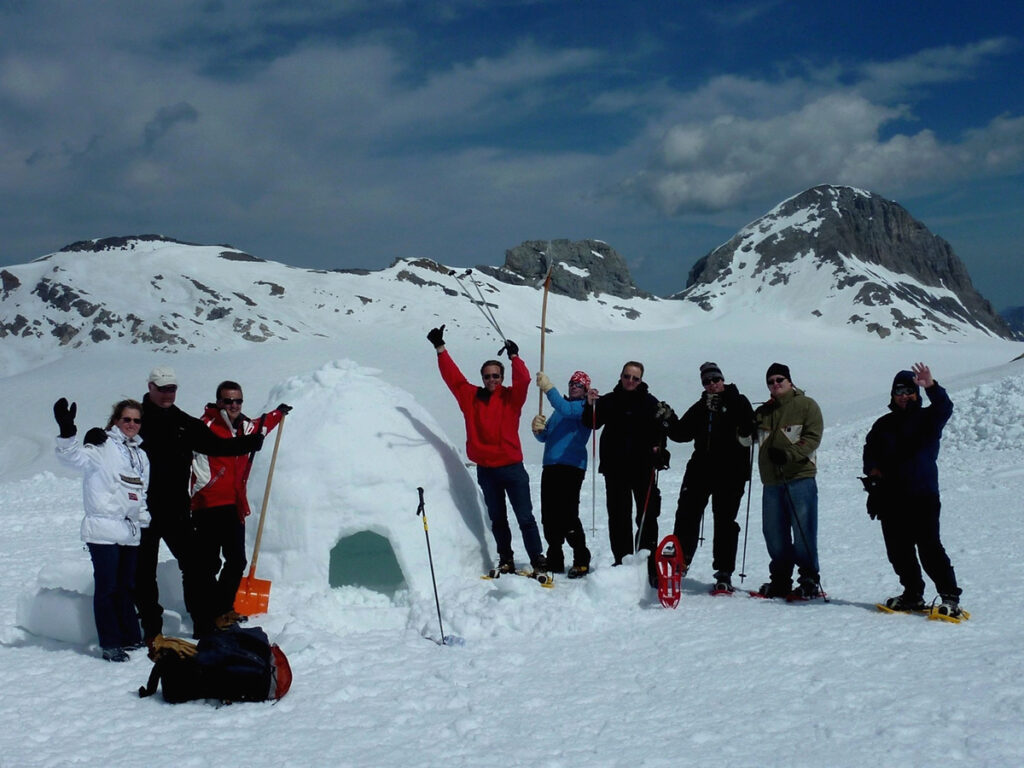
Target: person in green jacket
789,428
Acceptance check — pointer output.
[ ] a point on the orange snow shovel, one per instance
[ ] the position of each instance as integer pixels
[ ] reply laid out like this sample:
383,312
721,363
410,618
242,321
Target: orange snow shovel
254,594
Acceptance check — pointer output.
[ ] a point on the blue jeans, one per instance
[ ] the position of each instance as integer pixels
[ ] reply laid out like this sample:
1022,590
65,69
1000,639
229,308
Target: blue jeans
789,520
496,482
113,602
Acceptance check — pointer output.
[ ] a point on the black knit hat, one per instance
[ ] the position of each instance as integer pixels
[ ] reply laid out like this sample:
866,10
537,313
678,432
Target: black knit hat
778,369
708,371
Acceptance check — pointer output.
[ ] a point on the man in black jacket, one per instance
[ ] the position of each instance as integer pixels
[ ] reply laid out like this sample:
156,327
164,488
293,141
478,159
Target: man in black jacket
718,469
169,437
632,450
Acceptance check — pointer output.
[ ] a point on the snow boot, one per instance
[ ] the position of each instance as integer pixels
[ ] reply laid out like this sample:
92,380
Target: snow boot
949,607
723,584
540,564
905,602
115,654
807,590
506,565
578,571
775,588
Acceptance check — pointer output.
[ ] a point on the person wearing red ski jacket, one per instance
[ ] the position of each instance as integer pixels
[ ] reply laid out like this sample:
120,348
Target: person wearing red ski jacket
219,501
492,413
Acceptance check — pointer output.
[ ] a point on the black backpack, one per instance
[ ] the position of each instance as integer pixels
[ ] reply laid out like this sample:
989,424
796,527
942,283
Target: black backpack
230,665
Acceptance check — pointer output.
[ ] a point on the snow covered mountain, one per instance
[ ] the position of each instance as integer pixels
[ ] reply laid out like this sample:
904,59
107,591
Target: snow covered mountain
164,295
849,257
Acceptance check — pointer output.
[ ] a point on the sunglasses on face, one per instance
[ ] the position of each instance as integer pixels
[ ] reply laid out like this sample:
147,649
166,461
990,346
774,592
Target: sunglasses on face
167,388
712,380
576,384
491,376
776,380
130,420
904,391
231,400
630,377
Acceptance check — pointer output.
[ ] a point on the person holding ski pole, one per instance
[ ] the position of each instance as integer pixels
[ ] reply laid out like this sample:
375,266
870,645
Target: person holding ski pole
565,437
219,501
632,451
789,429
492,413
116,474
717,470
900,455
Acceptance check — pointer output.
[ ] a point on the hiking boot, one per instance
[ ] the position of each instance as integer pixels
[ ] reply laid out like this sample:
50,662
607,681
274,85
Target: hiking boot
115,654
950,606
723,586
506,565
578,571
905,602
776,588
229,619
807,590
540,564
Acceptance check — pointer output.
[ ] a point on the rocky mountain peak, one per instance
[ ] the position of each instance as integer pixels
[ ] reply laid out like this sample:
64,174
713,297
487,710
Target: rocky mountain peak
885,266
578,269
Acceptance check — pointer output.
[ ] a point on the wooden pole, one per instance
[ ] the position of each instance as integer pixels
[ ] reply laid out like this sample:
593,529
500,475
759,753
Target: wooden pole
543,333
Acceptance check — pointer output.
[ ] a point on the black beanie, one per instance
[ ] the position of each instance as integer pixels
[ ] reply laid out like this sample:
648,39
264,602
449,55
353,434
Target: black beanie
778,369
709,369
905,379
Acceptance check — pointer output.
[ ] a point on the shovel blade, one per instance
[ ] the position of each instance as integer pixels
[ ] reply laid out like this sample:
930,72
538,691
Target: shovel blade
253,596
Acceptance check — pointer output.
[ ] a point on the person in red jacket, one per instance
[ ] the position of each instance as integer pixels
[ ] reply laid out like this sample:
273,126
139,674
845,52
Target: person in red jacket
492,415
219,501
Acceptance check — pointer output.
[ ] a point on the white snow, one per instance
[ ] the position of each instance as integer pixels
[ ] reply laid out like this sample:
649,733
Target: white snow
590,673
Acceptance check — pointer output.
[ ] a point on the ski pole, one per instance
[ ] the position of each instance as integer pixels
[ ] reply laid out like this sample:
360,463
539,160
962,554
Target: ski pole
483,302
543,335
746,523
420,510
479,305
593,471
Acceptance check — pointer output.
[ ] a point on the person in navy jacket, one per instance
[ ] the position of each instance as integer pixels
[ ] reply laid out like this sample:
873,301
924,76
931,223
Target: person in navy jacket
565,438
900,455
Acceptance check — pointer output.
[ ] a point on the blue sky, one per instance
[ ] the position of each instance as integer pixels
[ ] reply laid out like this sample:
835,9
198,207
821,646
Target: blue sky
347,134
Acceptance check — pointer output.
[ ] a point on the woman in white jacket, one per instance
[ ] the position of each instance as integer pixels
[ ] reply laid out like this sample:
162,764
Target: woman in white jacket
116,475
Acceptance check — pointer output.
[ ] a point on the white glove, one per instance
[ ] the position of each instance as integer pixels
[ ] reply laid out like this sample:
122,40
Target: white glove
543,381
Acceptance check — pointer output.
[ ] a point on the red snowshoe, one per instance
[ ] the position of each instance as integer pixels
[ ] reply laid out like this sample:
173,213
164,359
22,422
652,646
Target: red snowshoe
671,567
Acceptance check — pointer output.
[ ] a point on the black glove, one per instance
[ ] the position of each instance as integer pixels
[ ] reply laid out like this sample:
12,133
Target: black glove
664,412
284,409
436,337
65,417
875,486
777,456
511,349
95,436
255,441
661,458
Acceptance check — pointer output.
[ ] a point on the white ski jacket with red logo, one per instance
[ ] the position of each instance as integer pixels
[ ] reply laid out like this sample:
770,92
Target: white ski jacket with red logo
219,481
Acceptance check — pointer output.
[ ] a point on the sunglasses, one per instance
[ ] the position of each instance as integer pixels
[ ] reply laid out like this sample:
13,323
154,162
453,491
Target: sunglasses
167,388
776,380
491,376
904,391
231,400
576,384
629,377
130,420
712,380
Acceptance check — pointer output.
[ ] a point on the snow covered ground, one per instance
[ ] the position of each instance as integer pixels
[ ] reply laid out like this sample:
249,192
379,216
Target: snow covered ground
593,672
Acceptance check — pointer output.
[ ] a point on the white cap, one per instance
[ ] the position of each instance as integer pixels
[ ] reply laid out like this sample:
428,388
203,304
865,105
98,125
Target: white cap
162,375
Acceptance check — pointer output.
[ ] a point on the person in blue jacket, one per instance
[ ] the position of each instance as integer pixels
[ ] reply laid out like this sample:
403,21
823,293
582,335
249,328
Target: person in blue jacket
900,455
565,438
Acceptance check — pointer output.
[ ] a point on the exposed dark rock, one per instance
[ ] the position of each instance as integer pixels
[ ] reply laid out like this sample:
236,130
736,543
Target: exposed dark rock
239,256
1014,317
8,282
578,269
110,243
275,289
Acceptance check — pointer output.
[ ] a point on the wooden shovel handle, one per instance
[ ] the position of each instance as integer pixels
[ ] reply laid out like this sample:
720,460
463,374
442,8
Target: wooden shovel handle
266,498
